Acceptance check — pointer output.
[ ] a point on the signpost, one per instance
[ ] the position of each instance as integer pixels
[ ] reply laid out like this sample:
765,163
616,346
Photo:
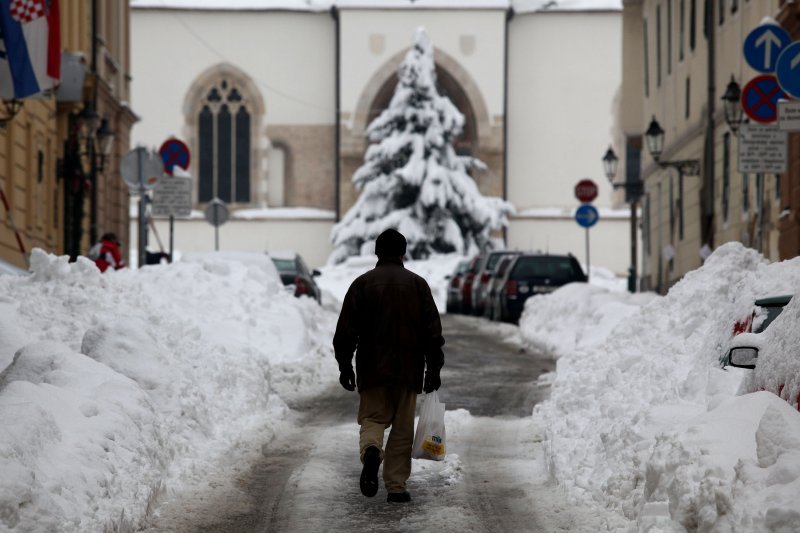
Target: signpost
586,215
762,149
140,170
216,214
760,98
764,44
177,196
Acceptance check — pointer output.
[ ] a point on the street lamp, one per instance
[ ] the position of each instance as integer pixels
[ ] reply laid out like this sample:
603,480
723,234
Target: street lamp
13,107
731,101
655,144
633,193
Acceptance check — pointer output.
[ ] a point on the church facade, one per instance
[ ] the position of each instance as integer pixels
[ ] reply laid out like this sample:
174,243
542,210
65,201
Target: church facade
273,98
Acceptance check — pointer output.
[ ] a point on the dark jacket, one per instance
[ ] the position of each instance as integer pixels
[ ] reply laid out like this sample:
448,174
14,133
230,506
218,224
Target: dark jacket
390,320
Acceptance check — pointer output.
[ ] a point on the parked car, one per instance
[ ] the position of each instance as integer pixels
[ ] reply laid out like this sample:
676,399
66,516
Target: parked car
466,285
492,306
454,287
773,352
532,274
480,283
295,275
764,312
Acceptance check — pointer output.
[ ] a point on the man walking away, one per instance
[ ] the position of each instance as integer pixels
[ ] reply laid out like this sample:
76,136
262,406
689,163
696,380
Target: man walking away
390,320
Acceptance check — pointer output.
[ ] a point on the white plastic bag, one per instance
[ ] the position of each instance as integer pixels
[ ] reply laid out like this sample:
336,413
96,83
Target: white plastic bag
429,442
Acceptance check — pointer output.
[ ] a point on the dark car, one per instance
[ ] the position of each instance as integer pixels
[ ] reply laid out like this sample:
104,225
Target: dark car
454,287
480,284
496,283
294,272
466,284
532,274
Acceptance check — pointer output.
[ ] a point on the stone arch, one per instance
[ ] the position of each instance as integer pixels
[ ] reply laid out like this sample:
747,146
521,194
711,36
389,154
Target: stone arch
192,105
446,66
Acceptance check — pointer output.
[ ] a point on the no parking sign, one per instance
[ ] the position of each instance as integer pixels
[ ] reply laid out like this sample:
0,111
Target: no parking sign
174,153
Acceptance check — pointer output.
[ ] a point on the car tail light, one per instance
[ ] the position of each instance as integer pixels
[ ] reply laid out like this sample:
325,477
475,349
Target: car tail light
300,286
454,283
511,287
468,278
485,278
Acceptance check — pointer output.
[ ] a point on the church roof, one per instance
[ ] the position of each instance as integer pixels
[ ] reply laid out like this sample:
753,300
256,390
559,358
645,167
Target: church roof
519,6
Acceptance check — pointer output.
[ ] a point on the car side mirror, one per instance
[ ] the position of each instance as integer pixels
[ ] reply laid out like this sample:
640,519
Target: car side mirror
743,357
448,276
315,273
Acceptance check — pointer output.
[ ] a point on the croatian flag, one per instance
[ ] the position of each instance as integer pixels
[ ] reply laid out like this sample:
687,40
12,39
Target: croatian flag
30,47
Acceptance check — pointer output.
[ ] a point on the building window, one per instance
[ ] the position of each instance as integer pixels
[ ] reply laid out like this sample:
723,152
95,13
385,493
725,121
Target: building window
681,29
646,224
680,207
688,110
658,46
777,186
671,208
734,6
224,139
646,62
692,24
726,175
721,12
745,193
669,37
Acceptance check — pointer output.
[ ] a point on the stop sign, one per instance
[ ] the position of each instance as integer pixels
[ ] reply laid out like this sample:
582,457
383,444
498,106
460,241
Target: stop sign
586,191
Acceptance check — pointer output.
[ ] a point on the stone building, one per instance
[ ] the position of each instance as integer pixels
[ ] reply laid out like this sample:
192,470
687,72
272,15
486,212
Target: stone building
680,56
535,81
63,190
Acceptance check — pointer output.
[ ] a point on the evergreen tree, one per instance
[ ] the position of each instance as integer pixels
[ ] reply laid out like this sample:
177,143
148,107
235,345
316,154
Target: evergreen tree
412,180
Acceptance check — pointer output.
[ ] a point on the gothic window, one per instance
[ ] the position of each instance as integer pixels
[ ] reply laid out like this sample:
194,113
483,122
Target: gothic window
223,141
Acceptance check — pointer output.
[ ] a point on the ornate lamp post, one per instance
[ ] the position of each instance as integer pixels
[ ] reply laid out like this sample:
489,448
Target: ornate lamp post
633,193
731,101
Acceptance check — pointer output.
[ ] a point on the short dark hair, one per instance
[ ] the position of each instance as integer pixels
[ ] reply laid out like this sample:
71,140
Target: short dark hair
390,243
110,237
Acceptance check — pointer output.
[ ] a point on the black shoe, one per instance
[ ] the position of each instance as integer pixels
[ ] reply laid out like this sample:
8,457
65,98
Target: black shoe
369,474
398,497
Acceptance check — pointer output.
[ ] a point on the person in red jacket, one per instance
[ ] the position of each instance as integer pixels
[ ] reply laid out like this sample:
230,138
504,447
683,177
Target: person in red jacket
107,253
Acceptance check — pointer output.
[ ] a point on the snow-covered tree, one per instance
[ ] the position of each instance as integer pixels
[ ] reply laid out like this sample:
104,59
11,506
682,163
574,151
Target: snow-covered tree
412,180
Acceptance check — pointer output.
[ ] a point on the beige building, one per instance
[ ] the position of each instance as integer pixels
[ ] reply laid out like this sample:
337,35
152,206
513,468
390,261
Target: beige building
61,179
676,72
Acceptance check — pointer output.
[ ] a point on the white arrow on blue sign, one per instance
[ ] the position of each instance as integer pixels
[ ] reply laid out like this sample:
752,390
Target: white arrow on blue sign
764,44
788,70
586,215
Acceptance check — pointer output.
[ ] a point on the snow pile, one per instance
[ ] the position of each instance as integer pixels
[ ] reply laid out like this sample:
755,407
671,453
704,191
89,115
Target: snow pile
641,419
130,383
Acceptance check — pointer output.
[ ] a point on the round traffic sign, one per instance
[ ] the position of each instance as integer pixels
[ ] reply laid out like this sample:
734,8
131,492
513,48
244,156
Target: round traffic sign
764,44
174,153
150,172
788,70
586,191
760,98
216,212
587,216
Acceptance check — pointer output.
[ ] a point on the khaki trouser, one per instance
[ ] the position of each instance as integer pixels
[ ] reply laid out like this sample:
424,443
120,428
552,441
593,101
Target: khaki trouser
380,408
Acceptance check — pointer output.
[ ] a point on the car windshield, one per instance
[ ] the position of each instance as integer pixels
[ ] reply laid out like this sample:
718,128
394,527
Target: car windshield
284,265
556,268
493,260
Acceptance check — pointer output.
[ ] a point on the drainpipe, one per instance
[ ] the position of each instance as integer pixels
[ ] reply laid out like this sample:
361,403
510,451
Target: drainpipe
509,16
707,225
93,233
338,124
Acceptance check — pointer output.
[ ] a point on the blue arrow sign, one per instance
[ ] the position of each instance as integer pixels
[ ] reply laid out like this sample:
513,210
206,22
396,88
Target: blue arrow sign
788,70
587,216
763,45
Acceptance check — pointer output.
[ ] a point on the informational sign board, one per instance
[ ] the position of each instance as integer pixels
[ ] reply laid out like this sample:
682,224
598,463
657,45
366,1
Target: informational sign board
762,149
586,191
587,216
760,98
764,44
174,153
789,115
173,197
788,70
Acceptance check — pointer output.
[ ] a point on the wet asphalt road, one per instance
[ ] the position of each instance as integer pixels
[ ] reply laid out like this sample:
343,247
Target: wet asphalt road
486,372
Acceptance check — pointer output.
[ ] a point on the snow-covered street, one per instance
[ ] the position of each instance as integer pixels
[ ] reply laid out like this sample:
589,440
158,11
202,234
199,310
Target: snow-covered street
203,396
